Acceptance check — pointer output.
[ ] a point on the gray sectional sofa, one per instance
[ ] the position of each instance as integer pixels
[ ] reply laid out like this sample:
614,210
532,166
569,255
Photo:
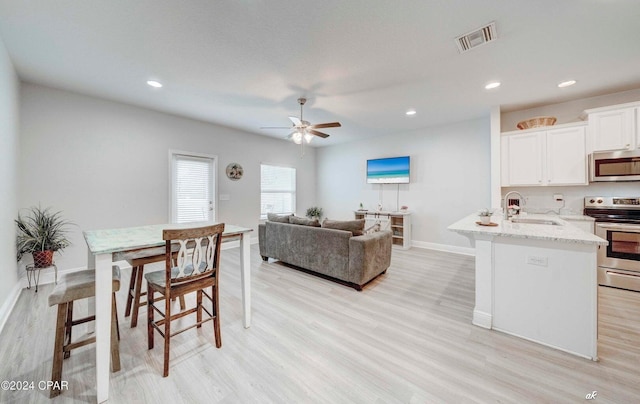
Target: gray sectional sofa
328,252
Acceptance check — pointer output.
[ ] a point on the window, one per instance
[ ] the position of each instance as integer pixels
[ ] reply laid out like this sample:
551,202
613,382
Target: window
277,190
192,188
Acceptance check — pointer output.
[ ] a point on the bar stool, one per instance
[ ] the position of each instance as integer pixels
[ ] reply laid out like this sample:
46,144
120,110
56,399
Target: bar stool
71,287
137,260
198,264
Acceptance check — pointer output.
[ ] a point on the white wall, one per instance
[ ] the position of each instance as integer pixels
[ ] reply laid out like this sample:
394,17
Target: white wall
8,183
567,112
450,178
540,199
105,164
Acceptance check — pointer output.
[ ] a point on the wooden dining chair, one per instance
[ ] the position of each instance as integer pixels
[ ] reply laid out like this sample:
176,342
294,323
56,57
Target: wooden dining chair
71,287
196,269
136,296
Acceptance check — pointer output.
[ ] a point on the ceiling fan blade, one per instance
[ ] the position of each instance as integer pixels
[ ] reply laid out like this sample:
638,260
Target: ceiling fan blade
326,125
315,132
295,120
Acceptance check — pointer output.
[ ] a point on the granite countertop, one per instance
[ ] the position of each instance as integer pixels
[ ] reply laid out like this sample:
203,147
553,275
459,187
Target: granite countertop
565,232
582,218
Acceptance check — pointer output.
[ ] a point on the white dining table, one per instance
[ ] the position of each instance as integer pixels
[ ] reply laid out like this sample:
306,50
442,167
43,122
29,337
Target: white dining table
103,244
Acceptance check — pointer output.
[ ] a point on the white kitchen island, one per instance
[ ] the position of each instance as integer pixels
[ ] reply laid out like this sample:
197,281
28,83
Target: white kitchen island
537,281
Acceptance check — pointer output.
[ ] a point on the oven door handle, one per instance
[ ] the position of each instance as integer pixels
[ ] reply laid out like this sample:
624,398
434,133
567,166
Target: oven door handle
619,226
623,275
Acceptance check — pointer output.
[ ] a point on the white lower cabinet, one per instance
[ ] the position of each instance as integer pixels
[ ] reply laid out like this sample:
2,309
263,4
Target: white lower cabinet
545,157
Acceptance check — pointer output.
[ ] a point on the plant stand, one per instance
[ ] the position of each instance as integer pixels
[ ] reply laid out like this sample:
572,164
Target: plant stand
33,274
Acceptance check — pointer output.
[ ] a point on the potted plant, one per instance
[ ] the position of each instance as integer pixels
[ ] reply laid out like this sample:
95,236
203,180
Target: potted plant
41,233
314,213
485,216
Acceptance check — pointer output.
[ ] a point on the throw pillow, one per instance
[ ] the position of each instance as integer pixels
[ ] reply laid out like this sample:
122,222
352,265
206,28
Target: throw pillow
356,227
304,221
272,217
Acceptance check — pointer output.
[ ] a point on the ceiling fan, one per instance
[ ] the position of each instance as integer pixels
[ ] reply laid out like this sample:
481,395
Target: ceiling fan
303,130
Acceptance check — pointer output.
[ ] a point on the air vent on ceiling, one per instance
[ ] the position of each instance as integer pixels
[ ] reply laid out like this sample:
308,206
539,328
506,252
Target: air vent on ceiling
477,37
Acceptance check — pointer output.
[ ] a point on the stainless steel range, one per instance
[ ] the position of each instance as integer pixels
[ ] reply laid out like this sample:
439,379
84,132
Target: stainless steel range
617,221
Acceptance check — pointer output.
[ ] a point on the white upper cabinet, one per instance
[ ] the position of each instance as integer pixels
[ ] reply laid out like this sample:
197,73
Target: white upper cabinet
545,157
524,159
614,128
566,156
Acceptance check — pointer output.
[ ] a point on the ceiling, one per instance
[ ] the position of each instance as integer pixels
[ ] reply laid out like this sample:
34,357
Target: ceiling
243,63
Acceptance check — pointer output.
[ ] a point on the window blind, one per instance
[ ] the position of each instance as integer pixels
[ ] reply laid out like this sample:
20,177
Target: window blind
277,190
193,188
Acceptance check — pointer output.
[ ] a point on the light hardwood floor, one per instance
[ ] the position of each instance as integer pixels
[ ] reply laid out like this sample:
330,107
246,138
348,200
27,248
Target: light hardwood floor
406,338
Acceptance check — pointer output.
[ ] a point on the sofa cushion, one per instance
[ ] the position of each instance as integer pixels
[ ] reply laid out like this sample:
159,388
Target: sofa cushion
304,221
356,227
273,217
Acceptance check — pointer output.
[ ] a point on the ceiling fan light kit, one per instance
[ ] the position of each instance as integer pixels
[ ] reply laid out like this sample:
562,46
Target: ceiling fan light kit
303,131
299,135
308,137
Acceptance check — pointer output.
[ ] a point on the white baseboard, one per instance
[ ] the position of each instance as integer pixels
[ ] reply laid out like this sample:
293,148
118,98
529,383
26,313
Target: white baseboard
482,319
444,247
9,304
592,357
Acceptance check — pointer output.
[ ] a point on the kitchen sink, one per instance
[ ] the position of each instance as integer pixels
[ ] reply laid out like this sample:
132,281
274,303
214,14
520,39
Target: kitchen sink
535,221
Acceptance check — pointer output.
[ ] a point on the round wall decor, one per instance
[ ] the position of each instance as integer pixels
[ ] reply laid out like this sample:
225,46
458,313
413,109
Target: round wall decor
234,171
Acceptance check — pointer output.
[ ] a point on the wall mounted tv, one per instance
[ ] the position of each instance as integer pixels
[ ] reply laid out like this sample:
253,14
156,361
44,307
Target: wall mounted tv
391,170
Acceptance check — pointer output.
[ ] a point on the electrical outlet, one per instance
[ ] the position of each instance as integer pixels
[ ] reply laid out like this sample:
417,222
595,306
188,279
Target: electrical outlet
537,260
225,197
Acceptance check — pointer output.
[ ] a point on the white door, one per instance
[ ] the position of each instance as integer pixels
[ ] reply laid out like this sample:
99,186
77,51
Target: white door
192,188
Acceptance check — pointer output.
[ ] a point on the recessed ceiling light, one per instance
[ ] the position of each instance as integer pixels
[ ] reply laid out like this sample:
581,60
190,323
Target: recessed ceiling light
154,83
411,112
566,83
493,84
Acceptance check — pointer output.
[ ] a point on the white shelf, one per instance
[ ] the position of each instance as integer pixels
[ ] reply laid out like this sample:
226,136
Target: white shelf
398,222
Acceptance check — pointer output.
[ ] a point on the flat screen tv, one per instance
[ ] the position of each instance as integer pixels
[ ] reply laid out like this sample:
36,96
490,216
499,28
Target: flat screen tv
391,170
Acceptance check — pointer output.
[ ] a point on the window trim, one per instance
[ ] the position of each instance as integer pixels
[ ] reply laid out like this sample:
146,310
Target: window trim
171,176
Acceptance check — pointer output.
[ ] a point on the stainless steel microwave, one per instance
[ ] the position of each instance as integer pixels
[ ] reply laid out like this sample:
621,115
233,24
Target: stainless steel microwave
615,166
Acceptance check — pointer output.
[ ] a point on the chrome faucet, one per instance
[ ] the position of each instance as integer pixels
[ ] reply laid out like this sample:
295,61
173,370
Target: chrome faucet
506,202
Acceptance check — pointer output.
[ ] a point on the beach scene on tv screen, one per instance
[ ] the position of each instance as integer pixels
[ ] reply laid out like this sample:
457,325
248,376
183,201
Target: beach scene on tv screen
393,170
